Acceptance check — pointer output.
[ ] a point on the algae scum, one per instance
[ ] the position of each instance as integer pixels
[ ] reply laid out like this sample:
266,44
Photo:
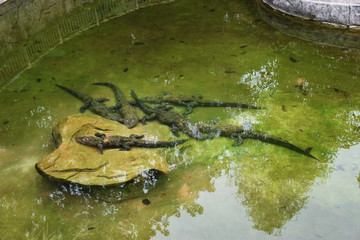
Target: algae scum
221,50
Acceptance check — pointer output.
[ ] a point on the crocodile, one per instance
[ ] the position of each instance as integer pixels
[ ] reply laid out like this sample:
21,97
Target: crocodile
127,111
124,143
239,133
170,118
191,102
96,106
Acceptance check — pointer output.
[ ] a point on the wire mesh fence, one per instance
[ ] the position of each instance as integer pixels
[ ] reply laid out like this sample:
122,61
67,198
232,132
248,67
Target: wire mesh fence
40,43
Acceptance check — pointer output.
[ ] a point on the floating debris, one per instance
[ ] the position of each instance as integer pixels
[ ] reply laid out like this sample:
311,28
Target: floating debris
146,201
293,60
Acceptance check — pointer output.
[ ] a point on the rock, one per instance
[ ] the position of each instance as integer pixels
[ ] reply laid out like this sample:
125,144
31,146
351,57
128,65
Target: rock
76,163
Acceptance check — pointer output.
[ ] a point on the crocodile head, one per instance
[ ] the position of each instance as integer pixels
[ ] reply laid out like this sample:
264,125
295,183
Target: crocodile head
131,122
89,140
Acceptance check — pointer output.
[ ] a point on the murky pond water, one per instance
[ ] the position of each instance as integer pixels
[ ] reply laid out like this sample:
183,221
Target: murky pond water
221,50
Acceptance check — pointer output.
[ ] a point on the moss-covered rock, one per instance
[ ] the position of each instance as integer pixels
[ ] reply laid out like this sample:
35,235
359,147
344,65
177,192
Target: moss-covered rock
77,163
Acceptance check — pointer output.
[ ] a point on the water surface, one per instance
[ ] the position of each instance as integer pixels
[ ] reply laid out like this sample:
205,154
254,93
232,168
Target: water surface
222,50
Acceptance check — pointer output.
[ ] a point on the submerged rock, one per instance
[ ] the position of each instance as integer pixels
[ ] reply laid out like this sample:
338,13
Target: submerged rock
77,163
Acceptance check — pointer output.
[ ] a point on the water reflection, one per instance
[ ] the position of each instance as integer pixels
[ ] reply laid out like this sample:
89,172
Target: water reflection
310,30
274,192
141,213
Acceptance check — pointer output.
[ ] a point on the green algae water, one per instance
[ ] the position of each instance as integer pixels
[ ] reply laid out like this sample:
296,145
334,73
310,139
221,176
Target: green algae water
222,50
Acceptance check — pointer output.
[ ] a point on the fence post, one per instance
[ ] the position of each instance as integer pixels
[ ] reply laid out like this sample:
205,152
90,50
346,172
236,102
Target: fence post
60,36
2,77
26,57
96,17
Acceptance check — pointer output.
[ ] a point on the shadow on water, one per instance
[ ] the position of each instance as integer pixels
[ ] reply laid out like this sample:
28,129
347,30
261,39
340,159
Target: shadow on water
223,51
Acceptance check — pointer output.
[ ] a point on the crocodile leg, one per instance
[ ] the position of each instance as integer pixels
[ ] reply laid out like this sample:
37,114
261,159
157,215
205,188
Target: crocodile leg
84,107
115,108
101,147
189,107
137,136
101,100
100,135
125,147
148,117
175,131
239,141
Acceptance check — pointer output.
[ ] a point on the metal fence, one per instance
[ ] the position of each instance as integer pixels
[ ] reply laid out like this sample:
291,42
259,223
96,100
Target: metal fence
22,58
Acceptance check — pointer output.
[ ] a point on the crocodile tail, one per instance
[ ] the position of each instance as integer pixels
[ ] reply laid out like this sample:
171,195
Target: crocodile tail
133,94
110,85
138,101
226,104
82,96
119,95
278,142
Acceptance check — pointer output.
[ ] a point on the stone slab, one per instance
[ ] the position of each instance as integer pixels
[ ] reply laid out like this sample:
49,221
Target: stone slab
76,163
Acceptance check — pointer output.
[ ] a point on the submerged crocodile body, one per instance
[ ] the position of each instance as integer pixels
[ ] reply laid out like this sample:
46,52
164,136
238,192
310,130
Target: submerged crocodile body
240,134
94,105
124,143
172,119
191,102
126,110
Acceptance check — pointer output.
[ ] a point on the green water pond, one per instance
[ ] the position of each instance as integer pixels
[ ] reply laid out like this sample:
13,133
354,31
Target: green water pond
222,50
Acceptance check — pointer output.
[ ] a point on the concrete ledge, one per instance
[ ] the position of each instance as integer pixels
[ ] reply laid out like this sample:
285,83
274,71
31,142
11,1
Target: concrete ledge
343,12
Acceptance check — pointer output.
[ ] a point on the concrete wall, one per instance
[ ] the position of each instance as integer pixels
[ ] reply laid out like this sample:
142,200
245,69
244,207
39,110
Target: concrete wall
30,28
19,19
344,12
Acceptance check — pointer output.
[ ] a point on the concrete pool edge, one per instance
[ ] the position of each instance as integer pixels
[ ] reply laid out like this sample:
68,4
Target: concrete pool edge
337,12
308,30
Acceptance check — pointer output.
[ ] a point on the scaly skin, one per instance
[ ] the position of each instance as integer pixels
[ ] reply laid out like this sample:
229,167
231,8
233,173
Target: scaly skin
127,111
191,102
172,119
95,106
239,133
124,143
